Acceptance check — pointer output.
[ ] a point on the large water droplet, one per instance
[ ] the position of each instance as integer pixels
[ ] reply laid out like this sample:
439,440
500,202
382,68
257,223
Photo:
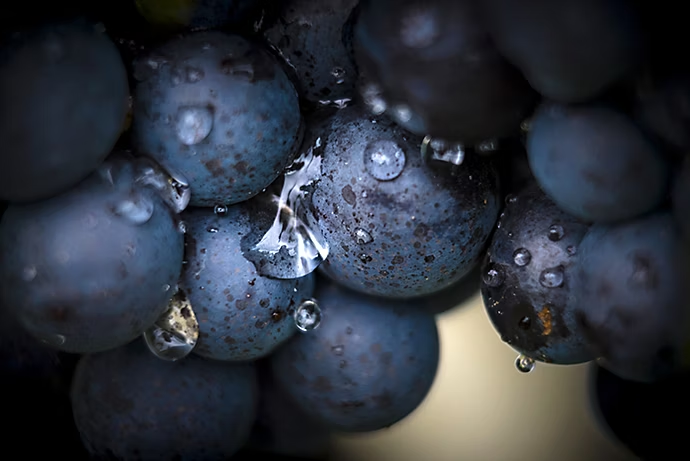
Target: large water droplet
441,151
136,208
522,257
308,315
556,232
552,277
384,160
493,276
176,332
524,364
291,246
193,124
362,236
173,188
372,95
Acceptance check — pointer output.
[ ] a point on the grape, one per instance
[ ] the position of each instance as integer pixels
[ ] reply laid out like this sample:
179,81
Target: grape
91,269
397,227
242,315
643,416
368,366
130,405
594,163
64,94
310,37
629,296
569,50
527,279
438,70
219,110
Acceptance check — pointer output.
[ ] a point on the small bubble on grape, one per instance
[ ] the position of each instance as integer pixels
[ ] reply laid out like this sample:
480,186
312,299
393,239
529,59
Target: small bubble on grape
522,257
193,124
307,316
384,160
552,277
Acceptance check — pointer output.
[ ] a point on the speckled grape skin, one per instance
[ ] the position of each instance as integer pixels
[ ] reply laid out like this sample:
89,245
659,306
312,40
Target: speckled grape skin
428,226
368,365
64,94
535,320
631,299
256,118
70,266
130,405
242,315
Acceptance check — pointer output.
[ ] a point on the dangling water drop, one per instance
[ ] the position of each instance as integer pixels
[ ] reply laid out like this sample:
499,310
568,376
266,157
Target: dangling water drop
524,364
308,315
522,257
291,245
552,277
136,208
384,160
193,124
176,332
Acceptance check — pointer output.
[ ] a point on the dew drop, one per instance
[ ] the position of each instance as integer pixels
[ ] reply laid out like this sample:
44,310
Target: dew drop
522,257
524,364
193,124
493,276
552,277
373,98
441,151
220,210
384,160
212,230
166,288
362,236
556,233
182,227
402,113
510,198
176,332
136,208
54,340
290,245
173,188
338,350
339,74
308,315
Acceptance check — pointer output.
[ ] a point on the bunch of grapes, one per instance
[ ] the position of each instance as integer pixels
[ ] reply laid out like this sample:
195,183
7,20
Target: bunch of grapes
228,225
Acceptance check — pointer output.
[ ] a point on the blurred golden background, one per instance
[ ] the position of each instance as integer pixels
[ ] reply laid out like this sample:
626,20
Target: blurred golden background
482,408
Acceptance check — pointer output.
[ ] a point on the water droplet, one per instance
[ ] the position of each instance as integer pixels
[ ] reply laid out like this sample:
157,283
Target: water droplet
402,113
338,350
194,75
493,275
291,245
182,227
339,74
556,233
220,210
166,288
212,230
54,340
510,198
308,315
176,332
373,98
525,323
362,236
365,258
137,208
384,160
419,28
438,150
524,364
552,277
29,273
522,257
571,250
172,188
488,146
193,124
145,68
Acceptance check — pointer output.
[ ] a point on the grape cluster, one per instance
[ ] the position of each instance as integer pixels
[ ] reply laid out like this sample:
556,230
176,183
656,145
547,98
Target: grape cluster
226,220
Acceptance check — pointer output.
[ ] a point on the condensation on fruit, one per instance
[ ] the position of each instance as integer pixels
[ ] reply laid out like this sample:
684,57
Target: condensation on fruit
307,316
176,332
441,151
384,160
293,245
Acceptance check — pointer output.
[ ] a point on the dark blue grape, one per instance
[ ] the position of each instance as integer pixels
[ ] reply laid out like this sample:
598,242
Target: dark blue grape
128,404
569,50
64,99
369,365
644,417
242,315
527,279
218,110
309,35
435,59
398,227
92,268
630,296
594,163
